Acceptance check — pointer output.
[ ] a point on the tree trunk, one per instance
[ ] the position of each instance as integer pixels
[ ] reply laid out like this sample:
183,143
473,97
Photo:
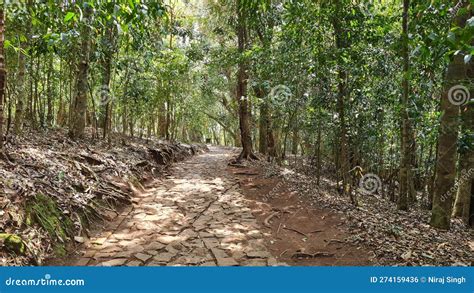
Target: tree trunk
3,74
162,120
242,80
18,125
405,164
466,161
447,151
318,151
447,141
264,127
106,95
109,50
60,113
77,128
169,109
125,119
341,44
50,94
295,141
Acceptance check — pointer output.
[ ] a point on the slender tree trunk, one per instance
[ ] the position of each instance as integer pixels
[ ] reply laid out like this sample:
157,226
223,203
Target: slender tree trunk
242,80
295,141
106,95
29,107
110,48
272,148
162,120
427,176
263,125
61,107
71,96
405,164
169,109
19,108
125,119
3,74
77,128
318,151
341,44
34,108
50,94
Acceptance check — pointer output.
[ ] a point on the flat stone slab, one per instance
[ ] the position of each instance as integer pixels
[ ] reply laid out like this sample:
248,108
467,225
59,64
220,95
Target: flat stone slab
115,262
226,262
163,257
143,257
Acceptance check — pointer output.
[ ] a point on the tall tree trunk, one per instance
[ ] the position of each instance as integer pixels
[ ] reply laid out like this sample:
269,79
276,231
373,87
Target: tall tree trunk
109,50
466,177
318,149
406,135
125,119
447,141
61,107
71,96
162,120
3,74
77,128
272,144
50,94
19,108
295,140
169,111
29,107
263,126
341,44
106,98
242,80
447,151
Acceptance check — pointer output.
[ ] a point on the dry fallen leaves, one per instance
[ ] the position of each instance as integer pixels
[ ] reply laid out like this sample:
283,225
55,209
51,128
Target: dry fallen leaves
396,238
75,175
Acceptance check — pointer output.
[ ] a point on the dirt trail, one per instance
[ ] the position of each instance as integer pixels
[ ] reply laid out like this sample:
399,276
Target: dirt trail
195,216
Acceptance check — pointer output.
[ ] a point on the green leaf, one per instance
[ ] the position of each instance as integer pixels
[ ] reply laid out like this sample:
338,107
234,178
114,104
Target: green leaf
7,44
69,16
451,38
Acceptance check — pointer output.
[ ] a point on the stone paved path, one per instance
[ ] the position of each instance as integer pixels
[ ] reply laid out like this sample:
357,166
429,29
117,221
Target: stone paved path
194,217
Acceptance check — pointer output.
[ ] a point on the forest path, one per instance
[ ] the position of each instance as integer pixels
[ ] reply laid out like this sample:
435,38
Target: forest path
194,216
203,212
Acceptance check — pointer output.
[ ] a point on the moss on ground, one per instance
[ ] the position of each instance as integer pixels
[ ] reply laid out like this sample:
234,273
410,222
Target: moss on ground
44,211
13,243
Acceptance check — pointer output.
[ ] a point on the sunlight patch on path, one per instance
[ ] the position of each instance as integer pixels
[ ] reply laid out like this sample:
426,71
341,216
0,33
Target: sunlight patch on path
195,217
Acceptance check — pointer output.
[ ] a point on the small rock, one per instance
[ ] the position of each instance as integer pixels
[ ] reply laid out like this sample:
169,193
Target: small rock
219,253
134,263
143,257
79,239
163,257
114,262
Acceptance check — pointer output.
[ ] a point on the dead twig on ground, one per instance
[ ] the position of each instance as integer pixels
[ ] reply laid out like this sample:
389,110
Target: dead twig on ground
296,231
302,255
266,222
